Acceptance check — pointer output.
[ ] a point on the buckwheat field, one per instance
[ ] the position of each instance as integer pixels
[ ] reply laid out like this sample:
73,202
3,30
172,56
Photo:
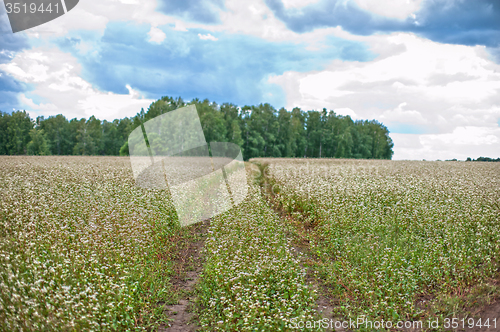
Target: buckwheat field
390,238
82,248
80,245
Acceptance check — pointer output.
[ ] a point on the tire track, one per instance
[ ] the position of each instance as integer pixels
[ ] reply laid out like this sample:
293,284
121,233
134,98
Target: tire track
189,264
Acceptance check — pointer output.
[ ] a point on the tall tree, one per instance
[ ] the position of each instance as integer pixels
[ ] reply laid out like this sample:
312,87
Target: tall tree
284,134
4,132
16,129
83,141
38,145
57,134
111,138
299,139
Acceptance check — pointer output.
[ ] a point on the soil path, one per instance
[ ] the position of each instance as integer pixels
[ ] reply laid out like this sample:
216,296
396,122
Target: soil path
324,304
490,314
189,265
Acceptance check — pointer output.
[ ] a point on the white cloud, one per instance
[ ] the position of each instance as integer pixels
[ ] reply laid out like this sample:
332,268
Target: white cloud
466,136
298,3
55,76
180,26
414,82
111,106
399,114
257,19
463,142
207,37
430,78
239,17
43,107
129,2
156,35
346,111
38,68
391,8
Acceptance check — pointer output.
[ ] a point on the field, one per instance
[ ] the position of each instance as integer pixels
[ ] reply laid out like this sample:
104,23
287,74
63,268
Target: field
394,240
82,248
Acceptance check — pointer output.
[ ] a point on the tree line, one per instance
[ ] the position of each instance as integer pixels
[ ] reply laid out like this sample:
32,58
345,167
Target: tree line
483,159
260,131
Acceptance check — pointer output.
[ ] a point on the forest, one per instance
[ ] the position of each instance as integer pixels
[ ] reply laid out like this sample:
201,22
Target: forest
260,131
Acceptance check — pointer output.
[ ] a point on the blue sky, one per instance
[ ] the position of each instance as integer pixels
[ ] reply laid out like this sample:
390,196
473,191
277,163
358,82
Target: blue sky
428,69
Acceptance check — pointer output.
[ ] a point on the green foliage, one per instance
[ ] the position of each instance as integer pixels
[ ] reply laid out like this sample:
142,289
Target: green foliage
57,134
15,132
260,131
485,159
124,149
38,144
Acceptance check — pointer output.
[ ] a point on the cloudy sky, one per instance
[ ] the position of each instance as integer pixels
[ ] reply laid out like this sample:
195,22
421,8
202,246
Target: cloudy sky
427,69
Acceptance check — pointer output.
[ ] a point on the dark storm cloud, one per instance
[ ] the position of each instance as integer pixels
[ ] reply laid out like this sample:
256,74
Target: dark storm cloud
460,22
328,13
456,22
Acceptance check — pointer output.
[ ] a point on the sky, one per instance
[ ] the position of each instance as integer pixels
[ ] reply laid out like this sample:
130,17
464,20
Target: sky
429,70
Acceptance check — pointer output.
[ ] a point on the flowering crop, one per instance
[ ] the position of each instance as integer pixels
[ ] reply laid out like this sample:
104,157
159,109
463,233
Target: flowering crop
251,281
81,247
386,232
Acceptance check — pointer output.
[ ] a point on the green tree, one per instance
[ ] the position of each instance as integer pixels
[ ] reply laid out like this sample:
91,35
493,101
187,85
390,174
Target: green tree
299,137
345,144
84,142
38,145
212,121
314,132
16,132
111,138
4,132
234,124
57,134
283,133
124,149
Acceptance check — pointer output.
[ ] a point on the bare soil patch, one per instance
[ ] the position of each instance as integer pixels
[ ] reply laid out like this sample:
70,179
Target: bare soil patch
188,266
490,313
